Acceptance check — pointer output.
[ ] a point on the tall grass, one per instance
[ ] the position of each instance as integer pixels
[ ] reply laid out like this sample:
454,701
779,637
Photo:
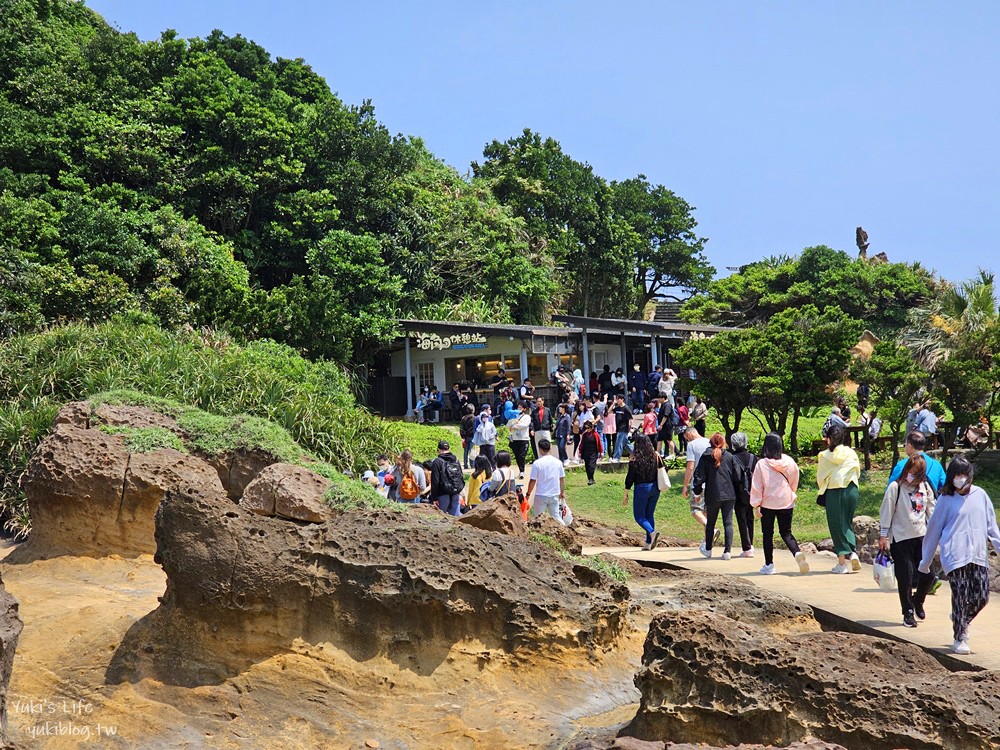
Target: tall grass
311,400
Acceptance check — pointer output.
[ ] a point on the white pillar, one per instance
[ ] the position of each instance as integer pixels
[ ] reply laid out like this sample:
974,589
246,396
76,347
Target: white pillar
409,378
624,357
654,353
586,358
524,361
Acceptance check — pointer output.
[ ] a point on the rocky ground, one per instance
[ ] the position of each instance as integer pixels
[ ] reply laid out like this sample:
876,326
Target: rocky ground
265,618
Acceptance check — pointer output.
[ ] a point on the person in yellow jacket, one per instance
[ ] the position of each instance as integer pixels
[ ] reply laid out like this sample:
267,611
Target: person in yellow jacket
838,476
480,475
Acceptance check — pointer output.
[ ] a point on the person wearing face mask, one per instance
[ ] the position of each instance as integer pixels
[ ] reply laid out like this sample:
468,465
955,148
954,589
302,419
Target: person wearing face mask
637,387
907,506
618,383
963,521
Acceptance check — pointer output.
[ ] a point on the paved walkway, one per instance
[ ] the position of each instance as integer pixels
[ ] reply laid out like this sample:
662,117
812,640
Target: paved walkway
850,602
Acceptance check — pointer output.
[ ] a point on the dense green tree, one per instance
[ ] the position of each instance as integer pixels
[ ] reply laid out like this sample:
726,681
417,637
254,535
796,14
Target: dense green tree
725,367
879,295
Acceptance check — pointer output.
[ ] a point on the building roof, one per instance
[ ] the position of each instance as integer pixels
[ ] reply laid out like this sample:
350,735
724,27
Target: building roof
668,312
649,327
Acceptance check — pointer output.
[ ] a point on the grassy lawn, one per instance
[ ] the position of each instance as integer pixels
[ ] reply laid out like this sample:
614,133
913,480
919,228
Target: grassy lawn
602,502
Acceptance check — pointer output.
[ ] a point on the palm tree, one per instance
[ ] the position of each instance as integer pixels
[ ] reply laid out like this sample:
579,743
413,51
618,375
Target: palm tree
953,320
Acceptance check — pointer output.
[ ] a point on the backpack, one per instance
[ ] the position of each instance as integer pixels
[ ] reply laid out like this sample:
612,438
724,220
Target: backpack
408,487
485,493
453,480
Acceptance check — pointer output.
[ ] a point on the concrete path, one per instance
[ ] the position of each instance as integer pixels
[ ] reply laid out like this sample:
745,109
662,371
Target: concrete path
848,602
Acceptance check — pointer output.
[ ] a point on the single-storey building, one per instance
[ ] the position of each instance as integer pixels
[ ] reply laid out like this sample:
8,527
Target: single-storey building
441,353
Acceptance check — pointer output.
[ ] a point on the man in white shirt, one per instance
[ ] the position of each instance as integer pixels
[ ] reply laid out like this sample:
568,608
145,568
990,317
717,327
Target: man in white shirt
696,446
547,482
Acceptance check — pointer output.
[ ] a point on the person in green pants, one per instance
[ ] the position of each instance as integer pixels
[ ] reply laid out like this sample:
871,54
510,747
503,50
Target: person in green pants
838,475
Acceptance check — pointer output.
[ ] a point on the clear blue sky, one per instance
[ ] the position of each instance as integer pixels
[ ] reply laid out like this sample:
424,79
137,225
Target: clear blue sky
786,124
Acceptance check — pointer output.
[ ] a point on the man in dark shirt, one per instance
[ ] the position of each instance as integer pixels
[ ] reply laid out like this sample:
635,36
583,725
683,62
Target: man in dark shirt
604,380
541,425
637,387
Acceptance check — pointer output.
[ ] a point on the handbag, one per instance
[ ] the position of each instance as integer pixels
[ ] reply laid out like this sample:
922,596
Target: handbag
662,478
884,571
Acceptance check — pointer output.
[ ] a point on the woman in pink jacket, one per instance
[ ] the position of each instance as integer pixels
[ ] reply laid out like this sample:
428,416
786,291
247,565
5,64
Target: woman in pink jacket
772,495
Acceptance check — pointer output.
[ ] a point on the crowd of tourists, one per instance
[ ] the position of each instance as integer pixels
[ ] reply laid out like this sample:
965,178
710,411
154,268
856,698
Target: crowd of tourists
927,513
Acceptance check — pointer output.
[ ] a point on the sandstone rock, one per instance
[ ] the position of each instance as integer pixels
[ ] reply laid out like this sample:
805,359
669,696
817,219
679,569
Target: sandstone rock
390,583
565,535
825,545
290,492
124,415
501,514
237,469
88,496
707,678
75,413
810,548
866,529
735,598
10,631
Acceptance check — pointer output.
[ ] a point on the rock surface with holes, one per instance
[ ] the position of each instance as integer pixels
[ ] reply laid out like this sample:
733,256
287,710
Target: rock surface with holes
389,583
500,514
290,492
709,678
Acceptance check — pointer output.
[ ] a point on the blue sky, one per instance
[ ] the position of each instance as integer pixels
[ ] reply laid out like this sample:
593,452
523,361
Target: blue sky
786,124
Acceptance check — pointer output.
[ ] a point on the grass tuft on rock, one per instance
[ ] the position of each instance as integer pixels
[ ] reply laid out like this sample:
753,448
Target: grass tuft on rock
146,439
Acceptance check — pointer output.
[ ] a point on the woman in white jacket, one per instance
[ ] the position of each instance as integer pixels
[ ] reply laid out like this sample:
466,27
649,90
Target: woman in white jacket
518,435
773,495
963,521
906,509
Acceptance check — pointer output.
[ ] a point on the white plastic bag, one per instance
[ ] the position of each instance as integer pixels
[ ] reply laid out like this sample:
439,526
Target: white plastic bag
567,515
884,572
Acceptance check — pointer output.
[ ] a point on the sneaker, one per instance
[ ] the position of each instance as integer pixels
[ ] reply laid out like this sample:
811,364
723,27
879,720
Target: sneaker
918,610
909,621
726,556
768,570
961,647
591,482
747,552
855,562
840,568
645,547
655,540
565,464
800,558
705,551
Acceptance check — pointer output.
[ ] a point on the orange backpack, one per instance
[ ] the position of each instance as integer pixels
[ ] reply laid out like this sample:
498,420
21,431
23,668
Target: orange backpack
408,488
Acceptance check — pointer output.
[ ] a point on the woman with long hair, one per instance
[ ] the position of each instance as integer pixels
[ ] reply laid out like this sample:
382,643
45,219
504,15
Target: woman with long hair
481,470
719,476
907,507
409,479
642,468
591,449
838,475
963,521
772,496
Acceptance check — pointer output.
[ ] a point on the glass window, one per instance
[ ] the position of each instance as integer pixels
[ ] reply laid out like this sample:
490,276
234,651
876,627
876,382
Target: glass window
425,374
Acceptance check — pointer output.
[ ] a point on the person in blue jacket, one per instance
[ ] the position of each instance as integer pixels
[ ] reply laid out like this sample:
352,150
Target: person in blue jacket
915,444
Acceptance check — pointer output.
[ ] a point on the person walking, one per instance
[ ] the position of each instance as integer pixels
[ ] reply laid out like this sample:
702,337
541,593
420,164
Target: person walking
963,521
485,436
838,475
683,422
467,430
409,480
623,423
698,414
591,449
548,484
447,480
773,492
564,428
907,507
641,475
610,428
694,450
916,442
541,425
517,435
665,424
719,476
650,424
744,511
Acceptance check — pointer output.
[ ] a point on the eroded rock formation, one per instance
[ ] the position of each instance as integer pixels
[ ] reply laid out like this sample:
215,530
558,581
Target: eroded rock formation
10,631
709,678
406,586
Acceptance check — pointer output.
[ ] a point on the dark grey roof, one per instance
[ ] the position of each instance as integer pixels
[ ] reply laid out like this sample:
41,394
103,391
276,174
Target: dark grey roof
668,312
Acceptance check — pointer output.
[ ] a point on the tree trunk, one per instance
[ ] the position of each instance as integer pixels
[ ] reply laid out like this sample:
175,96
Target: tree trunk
794,441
